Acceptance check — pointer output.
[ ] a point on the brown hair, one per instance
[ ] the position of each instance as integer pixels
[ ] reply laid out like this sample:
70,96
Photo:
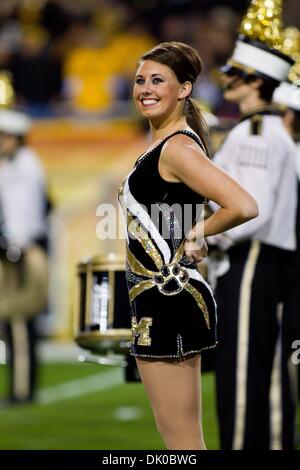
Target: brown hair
186,64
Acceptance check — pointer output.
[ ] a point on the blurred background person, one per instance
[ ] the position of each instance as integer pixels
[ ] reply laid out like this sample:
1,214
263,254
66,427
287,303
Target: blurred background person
78,59
98,72
256,409
288,96
23,262
36,72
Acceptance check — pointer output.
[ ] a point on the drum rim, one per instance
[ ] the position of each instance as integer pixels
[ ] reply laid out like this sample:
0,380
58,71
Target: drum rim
110,262
120,334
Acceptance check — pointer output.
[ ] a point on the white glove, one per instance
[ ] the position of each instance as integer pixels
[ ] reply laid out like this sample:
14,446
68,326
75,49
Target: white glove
222,241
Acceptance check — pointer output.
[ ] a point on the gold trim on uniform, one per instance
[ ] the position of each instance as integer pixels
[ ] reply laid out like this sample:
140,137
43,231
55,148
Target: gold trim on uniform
135,229
256,124
148,284
141,331
179,253
136,266
139,288
200,301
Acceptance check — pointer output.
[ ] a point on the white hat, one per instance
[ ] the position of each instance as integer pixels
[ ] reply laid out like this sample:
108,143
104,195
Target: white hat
255,58
258,49
288,94
14,122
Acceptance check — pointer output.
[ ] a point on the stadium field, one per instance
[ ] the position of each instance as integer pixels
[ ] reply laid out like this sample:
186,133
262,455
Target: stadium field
86,406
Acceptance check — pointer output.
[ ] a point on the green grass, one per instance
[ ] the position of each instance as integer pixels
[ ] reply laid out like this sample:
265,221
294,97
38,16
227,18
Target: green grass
89,421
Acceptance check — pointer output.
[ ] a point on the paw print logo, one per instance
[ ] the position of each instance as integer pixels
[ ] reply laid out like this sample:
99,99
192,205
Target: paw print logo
171,279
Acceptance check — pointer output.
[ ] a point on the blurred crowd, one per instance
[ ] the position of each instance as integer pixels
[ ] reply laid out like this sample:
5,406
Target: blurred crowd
67,58
79,57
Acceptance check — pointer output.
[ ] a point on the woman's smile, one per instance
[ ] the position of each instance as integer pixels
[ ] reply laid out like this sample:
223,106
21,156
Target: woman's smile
149,102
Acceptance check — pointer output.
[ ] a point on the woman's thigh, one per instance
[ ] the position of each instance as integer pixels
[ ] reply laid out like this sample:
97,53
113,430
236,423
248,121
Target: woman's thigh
173,387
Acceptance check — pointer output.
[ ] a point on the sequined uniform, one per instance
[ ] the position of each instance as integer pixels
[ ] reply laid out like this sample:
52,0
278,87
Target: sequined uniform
173,309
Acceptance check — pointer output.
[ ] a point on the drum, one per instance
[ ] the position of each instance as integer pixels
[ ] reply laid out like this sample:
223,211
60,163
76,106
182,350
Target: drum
24,284
104,319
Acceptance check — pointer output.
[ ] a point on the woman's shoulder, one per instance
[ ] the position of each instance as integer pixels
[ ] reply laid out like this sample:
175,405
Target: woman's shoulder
183,140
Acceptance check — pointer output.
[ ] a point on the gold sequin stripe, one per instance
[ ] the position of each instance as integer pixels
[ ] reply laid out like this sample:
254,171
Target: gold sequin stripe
121,197
136,266
200,301
179,253
148,284
139,288
139,269
121,188
135,229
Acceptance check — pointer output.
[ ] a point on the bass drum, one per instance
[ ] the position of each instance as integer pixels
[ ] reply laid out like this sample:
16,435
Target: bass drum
104,313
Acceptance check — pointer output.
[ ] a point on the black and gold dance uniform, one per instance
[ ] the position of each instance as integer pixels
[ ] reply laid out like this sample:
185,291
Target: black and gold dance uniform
173,309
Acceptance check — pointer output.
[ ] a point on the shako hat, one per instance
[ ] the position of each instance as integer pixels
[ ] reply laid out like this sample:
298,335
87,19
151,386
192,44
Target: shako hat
258,49
14,122
288,92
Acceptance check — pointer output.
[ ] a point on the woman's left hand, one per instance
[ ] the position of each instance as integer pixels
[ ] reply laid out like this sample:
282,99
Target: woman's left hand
194,252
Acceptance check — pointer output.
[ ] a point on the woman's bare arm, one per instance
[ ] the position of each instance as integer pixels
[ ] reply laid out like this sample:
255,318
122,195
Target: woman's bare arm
183,160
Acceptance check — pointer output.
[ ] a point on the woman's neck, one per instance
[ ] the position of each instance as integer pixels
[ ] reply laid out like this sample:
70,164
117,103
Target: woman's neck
160,131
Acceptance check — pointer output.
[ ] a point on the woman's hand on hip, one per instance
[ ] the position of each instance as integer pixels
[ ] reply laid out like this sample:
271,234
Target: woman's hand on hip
194,252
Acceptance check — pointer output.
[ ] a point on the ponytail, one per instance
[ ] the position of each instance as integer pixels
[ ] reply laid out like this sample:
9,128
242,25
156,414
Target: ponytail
196,122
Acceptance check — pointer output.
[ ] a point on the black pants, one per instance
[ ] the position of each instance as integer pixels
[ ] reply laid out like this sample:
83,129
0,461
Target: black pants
256,407
21,339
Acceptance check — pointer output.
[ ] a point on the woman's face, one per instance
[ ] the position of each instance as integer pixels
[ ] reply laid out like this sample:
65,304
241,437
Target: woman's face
8,144
157,91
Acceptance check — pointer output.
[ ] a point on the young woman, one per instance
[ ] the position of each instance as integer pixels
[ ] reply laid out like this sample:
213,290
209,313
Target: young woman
173,310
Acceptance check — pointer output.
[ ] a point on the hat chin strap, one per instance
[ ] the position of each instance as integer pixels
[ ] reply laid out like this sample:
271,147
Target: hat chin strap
230,85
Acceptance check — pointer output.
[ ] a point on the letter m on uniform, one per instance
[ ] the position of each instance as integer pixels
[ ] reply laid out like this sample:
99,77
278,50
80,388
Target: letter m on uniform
141,331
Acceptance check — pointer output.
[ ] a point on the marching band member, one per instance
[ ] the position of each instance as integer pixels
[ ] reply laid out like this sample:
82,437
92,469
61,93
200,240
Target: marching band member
255,409
23,262
288,95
